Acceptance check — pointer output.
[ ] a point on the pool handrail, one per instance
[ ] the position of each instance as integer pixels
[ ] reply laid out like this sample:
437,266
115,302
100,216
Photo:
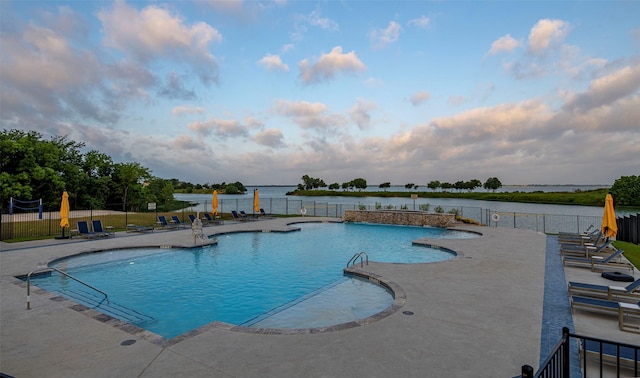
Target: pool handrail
61,272
356,256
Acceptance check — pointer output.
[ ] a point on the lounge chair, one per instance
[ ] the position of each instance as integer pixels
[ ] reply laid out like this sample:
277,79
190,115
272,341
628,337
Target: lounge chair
631,291
237,217
96,224
176,221
623,310
598,262
164,223
83,230
210,219
582,239
610,354
263,213
244,215
586,250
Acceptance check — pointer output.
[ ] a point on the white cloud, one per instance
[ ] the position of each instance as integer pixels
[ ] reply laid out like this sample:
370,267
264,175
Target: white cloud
546,33
360,114
607,89
329,65
506,43
316,19
420,22
313,116
270,137
180,110
153,33
382,37
273,63
222,128
420,98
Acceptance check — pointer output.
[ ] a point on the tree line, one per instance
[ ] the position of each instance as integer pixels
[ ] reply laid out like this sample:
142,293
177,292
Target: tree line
310,183
32,168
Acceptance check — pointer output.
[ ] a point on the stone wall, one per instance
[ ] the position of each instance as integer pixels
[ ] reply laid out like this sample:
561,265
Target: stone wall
403,217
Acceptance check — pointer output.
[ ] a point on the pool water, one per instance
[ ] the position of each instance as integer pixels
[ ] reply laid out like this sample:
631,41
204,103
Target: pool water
266,280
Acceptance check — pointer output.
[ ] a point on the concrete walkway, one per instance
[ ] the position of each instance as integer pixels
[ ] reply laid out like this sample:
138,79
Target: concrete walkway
478,315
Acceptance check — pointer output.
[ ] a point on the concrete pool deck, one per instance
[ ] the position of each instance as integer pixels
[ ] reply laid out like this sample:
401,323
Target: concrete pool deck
480,314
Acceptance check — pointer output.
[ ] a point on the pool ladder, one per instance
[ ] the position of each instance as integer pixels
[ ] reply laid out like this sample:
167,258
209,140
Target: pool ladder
357,256
61,272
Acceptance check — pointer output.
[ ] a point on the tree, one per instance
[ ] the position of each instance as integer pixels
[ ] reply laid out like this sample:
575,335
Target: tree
473,184
626,190
409,185
492,183
360,183
385,186
334,186
433,184
129,175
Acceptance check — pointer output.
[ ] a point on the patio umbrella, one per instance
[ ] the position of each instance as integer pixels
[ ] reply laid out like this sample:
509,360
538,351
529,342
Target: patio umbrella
256,201
64,212
214,203
609,225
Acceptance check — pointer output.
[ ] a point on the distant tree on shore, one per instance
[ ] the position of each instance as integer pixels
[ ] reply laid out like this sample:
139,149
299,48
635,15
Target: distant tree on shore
492,183
385,186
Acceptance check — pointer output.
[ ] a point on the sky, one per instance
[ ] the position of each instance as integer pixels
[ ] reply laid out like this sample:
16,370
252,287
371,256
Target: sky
264,92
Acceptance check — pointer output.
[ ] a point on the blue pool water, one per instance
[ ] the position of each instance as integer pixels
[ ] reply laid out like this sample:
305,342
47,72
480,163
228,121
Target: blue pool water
270,280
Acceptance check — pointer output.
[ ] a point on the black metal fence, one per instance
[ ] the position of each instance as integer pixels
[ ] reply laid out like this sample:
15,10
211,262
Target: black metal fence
628,229
25,225
608,358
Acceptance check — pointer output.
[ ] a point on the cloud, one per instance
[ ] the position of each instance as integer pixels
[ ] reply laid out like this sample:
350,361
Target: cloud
273,63
315,19
421,22
180,110
153,33
174,89
222,128
329,65
506,43
420,98
307,115
547,33
48,77
607,89
360,114
270,137
382,37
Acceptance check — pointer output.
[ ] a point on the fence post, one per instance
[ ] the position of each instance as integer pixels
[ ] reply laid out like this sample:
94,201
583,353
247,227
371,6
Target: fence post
527,371
566,363
514,219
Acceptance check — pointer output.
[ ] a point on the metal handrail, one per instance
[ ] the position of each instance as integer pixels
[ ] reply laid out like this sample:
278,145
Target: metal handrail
356,256
61,272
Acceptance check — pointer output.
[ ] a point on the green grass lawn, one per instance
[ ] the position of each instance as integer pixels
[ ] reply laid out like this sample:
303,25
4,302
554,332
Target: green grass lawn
631,252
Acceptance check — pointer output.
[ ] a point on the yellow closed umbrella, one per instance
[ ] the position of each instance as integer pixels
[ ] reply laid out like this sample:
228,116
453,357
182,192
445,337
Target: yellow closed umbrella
214,203
64,212
256,201
609,225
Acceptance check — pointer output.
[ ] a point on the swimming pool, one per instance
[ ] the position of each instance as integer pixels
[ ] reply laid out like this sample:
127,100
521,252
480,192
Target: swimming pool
250,279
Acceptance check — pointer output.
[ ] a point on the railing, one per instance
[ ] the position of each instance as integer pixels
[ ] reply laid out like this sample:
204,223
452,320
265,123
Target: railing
28,225
610,355
64,274
357,256
629,229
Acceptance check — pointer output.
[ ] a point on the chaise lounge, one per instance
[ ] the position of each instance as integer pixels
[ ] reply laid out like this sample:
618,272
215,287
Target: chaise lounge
623,310
599,262
631,291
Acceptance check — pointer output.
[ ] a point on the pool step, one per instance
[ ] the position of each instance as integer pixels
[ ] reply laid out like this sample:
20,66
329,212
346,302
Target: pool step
106,306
